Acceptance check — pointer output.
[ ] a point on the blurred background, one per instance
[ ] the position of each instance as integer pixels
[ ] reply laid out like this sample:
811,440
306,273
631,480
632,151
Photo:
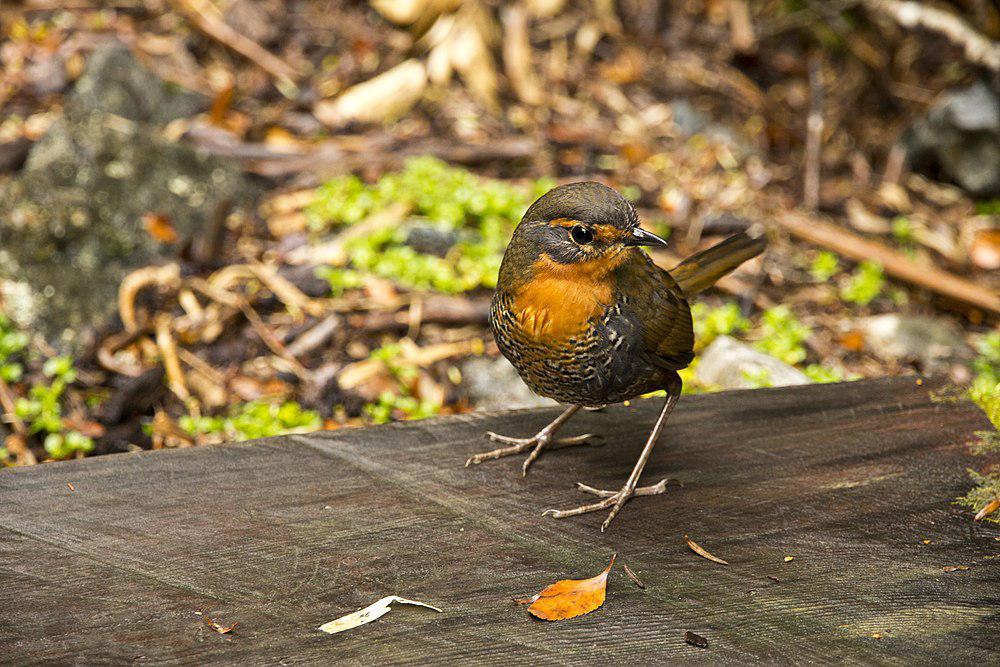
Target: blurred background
226,219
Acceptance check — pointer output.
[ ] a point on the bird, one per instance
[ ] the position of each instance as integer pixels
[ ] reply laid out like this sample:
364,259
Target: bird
587,319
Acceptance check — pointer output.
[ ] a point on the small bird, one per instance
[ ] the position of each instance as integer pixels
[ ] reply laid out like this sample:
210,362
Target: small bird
587,319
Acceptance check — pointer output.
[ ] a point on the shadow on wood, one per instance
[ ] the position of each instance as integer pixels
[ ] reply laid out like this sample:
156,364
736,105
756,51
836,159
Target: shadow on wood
284,534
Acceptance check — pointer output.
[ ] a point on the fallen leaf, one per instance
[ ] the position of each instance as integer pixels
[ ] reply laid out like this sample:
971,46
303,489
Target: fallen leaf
701,552
864,220
569,598
370,613
91,429
218,627
695,639
853,340
384,97
954,568
159,228
990,508
985,249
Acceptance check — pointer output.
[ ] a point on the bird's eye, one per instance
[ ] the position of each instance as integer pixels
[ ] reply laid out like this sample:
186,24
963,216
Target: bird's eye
581,234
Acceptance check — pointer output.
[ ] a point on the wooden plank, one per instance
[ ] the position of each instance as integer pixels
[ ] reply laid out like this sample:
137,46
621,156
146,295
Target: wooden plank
284,534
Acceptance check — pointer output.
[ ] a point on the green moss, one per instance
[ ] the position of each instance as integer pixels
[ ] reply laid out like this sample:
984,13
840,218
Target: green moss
256,419
985,390
759,378
480,212
340,280
988,207
399,404
710,323
986,489
12,345
864,285
823,374
824,266
989,442
783,335
41,410
902,230
391,406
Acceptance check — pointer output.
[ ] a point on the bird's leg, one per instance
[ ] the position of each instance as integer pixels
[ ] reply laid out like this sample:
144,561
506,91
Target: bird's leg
617,499
538,442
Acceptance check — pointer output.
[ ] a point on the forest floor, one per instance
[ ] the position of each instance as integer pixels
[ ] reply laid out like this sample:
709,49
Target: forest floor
332,265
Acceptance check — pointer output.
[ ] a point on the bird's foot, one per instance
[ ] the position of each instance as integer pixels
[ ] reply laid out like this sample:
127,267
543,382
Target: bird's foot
517,445
614,499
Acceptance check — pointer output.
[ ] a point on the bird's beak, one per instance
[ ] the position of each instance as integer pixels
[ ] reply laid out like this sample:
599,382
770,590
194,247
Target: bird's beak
640,236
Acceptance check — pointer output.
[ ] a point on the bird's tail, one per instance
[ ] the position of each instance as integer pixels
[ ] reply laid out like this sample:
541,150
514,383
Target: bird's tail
701,270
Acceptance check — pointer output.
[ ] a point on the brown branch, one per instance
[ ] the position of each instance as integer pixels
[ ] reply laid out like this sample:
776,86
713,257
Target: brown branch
978,48
896,264
206,18
741,32
168,350
814,136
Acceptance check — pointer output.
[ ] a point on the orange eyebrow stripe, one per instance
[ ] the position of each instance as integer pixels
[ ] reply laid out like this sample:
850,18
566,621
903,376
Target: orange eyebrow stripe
564,222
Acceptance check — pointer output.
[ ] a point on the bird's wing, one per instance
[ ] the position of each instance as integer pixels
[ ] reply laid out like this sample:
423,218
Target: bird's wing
656,301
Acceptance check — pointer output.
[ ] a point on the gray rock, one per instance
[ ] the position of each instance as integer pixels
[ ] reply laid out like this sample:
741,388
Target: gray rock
688,119
730,364
71,225
960,137
934,343
116,83
493,384
431,240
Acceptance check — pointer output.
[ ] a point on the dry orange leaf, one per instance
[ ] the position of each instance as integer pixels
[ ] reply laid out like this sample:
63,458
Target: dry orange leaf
220,628
985,249
990,508
570,598
701,552
160,228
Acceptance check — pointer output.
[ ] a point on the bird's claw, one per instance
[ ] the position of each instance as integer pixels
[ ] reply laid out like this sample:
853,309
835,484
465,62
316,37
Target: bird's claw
518,445
614,499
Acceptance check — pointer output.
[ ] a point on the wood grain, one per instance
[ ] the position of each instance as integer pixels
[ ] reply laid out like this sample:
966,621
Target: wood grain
285,534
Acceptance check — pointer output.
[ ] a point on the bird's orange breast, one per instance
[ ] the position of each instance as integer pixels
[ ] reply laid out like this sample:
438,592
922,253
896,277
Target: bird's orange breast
561,300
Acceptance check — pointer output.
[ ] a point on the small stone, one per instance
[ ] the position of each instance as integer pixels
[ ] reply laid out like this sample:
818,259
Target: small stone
431,240
493,384
73,225
934,343
960,136
688,119
730,364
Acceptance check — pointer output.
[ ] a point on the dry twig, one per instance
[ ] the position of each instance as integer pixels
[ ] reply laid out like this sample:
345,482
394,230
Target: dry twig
206,17
896,264
814,136
978,48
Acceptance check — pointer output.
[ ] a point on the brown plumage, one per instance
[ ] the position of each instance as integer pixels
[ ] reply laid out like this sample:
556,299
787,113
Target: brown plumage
587,319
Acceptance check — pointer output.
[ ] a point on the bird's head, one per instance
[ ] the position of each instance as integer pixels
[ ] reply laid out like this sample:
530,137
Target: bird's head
577,230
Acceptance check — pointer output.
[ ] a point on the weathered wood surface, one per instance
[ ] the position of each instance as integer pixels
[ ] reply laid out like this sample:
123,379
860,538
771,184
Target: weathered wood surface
285,534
